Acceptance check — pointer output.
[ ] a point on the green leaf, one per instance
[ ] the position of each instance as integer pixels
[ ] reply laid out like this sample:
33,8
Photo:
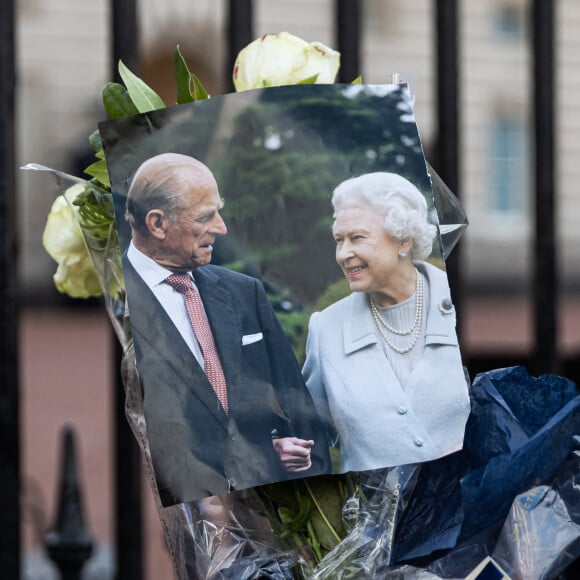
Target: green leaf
143,96
100,172
199,92
182,78
309,81
295,522
282,494
357,81
326,520
117,101
313,541
95,141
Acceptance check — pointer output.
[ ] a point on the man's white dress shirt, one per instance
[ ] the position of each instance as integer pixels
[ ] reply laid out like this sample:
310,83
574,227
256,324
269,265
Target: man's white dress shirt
172,301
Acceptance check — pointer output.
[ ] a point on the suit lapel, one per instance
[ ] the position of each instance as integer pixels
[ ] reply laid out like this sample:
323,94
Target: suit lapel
358,326
360,332
359,329
440,323
152,325
225,324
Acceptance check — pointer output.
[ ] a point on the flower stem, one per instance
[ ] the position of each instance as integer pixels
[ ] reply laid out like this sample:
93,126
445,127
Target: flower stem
321,512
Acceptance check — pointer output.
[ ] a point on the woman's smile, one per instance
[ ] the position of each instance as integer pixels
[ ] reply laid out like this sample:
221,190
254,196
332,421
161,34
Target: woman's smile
355,271
367,254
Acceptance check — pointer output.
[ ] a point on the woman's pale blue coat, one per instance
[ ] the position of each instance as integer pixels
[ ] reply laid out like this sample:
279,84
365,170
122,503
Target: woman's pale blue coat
376,421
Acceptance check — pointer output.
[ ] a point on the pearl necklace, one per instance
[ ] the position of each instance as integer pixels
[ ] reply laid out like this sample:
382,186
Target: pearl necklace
415,328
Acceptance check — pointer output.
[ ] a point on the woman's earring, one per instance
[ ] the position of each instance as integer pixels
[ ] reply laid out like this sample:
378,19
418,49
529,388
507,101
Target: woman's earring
402,254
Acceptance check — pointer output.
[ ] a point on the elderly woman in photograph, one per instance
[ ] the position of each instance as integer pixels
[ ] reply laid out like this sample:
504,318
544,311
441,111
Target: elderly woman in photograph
383,364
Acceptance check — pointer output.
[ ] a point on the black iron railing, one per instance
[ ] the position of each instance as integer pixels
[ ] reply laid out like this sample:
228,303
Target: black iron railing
68,543
546,276
128,506
9,393
348,38
446,159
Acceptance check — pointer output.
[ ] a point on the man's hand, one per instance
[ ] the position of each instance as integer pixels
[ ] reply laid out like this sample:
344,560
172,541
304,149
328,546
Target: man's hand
294,453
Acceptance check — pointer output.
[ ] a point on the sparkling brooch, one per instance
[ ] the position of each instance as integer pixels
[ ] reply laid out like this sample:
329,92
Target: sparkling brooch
446,306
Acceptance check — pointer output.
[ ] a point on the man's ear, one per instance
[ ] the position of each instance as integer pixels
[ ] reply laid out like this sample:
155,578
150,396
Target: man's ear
156,223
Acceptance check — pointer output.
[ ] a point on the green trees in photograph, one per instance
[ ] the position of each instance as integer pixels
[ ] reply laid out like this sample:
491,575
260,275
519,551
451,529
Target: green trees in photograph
288,150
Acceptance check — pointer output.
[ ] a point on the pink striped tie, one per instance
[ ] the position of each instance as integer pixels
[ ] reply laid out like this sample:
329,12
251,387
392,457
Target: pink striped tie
213,367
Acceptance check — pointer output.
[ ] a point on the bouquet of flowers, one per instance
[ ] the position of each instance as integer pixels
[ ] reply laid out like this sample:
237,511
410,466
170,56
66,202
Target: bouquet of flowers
339,526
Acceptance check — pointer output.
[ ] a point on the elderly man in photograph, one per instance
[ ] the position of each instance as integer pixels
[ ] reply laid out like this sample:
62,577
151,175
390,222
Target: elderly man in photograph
225,404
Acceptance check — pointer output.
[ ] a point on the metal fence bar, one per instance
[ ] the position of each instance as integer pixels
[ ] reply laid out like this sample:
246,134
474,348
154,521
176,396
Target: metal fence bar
348,36
447,158
69,543
124,35
240,32
545,277
128,505
9,383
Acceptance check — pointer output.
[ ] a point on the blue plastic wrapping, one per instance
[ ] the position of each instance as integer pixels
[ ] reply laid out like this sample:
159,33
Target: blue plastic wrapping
519,435
545,415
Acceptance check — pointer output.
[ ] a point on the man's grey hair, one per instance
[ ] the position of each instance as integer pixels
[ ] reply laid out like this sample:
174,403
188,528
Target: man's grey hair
395,199
159,183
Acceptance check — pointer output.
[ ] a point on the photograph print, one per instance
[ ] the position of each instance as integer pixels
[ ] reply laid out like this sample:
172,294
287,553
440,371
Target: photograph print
285,285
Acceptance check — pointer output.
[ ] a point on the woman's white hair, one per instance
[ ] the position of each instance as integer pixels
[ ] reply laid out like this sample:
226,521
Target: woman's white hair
396,199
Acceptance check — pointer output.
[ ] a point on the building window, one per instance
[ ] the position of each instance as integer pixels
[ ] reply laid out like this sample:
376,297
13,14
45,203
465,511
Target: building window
509,22
509,171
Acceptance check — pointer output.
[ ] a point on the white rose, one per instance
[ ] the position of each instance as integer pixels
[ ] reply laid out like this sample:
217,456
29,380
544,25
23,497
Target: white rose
63,240
284,59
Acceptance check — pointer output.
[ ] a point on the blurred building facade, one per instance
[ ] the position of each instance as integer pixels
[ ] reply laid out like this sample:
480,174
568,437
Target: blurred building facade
65,62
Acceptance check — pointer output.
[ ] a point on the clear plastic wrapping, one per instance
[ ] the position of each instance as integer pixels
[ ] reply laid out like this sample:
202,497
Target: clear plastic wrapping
512,493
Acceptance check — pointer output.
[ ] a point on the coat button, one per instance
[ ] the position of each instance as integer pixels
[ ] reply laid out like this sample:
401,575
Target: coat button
402,410
418,441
